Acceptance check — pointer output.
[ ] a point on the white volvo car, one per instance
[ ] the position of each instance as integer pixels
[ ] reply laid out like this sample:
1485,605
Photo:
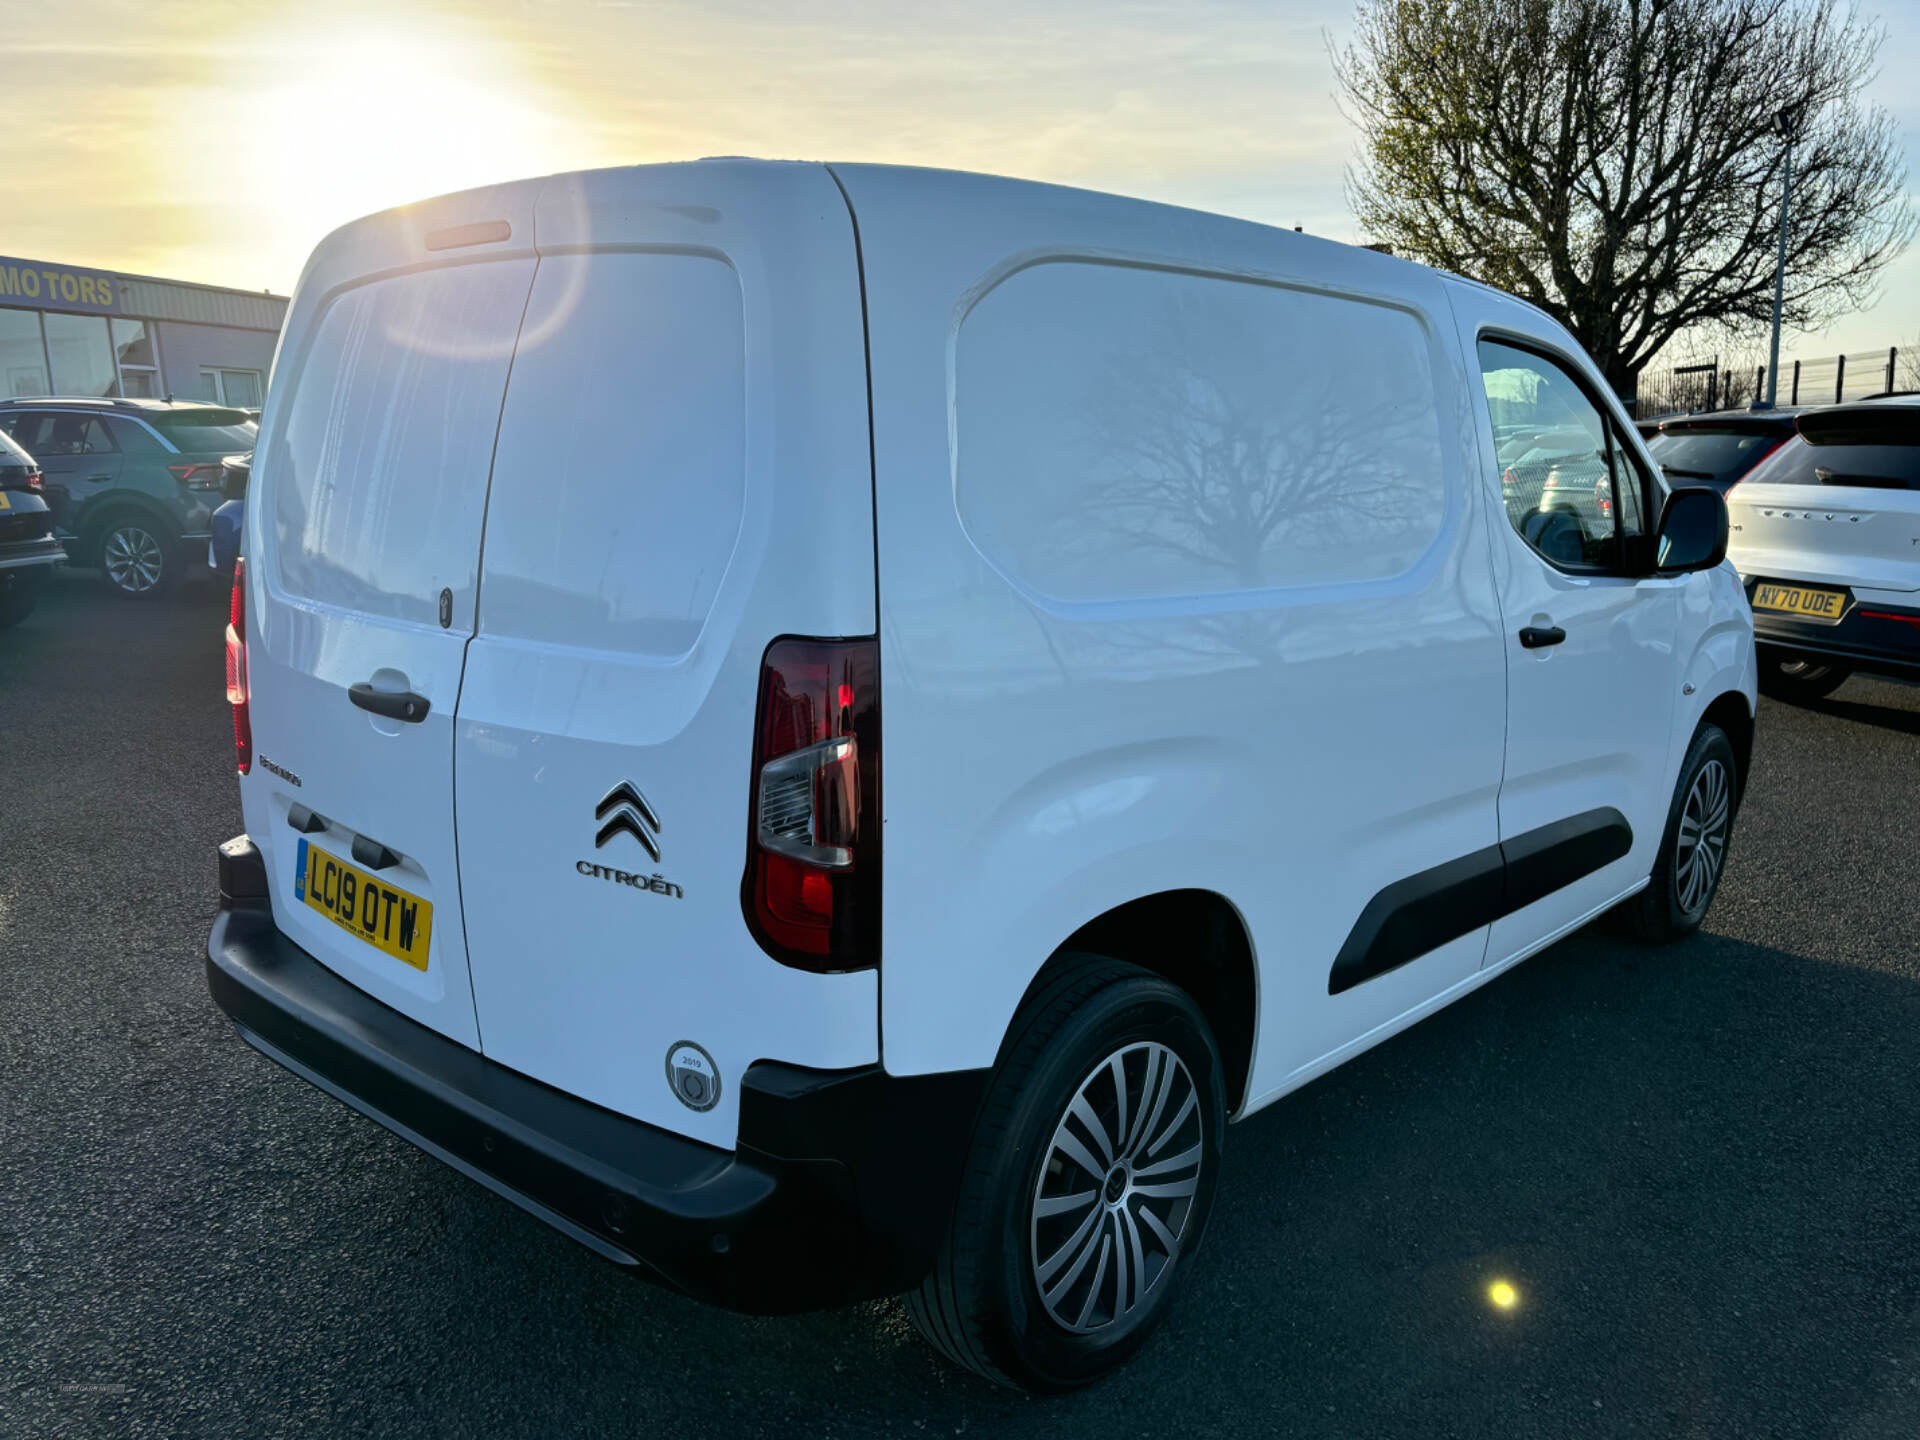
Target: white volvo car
1826,534
823,729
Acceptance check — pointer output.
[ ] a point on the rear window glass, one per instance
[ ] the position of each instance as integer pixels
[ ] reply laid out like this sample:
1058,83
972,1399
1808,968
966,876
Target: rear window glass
377,466
620,479
1717,457
206,431
1874,467
1123,433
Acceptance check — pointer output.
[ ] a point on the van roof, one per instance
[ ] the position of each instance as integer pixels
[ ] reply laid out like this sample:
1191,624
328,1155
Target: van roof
903,172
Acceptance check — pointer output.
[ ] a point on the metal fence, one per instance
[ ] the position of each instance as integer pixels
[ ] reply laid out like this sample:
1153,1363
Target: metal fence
1828,380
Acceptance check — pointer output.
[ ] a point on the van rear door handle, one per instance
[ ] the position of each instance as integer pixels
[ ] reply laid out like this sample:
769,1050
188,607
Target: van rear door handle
1538,637
395,705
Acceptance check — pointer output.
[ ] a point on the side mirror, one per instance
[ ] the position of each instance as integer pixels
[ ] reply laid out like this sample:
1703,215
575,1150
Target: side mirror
1692,533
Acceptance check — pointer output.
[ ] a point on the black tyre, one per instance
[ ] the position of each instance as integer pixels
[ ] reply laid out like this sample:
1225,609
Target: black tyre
1088,1184
18,593
136,555
1786,677
1693,849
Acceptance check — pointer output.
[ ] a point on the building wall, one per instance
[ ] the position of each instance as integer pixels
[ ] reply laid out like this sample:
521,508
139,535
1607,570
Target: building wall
184,349
54,330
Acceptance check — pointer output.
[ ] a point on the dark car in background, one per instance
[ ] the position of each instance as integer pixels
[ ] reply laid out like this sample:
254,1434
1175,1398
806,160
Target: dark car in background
132,484
1717,448
28,551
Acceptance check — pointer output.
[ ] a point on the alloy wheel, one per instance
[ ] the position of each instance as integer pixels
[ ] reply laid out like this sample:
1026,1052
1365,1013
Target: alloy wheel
1111,1206
132,558
1701,845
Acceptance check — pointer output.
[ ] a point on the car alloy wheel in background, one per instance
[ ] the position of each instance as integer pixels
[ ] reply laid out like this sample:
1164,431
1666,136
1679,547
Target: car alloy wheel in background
133,559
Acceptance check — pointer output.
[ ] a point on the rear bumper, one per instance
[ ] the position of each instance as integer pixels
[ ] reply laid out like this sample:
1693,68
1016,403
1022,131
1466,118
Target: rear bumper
839,1189
1875,639
31,554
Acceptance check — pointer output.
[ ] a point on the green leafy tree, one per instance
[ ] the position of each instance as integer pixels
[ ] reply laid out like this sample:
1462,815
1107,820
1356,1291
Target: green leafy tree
1616,162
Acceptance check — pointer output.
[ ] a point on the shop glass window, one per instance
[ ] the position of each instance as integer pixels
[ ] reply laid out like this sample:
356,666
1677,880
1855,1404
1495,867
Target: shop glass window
82,357
133,352
23,357
239,388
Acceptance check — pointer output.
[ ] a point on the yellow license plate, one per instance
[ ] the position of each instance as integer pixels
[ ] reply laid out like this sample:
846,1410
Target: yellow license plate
364,905
1794,600
5,504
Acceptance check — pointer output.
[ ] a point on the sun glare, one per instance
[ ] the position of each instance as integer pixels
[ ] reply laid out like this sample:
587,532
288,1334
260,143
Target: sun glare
361,120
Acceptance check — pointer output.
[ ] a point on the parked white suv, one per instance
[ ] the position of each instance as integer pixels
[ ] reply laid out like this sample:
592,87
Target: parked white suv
1826,534
979,684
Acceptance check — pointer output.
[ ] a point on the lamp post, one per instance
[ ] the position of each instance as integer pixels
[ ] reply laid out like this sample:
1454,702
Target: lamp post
1785,123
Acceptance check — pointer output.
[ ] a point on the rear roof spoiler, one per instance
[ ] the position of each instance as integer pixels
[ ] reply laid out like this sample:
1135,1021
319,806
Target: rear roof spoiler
1861,425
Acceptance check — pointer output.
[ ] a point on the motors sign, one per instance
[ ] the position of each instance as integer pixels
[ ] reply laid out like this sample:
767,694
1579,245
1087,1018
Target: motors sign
56,287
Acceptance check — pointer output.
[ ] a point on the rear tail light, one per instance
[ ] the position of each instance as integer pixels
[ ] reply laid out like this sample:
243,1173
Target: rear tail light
237,669
812,888
34,479
197,477
1603,495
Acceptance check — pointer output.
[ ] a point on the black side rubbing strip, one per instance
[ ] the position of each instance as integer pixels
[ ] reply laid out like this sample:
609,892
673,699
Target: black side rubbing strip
1554,856
1418,914
1421,913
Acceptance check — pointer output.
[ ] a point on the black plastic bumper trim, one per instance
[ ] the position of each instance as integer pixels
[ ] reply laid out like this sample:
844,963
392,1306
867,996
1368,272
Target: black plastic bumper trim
839,1189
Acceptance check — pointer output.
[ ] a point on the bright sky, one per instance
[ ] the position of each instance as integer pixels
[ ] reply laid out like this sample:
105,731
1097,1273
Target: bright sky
218,141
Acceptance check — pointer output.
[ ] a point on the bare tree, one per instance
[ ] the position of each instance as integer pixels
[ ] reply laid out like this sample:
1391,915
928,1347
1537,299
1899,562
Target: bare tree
1616,163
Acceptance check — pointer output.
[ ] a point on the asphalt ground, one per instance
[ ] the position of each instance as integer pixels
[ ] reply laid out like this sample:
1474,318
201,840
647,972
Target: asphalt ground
1696,1166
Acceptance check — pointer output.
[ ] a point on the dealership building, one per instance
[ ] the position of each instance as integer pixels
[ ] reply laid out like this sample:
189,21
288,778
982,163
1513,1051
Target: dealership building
66,330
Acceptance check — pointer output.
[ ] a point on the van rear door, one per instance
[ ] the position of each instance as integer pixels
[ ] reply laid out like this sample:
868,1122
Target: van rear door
682,477
364,547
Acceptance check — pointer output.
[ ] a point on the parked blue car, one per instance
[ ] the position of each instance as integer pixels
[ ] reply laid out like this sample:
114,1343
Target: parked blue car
223,547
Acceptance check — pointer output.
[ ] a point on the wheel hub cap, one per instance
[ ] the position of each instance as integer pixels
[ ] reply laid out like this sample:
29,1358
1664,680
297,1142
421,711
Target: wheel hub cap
1701,846
132,559
1117,1188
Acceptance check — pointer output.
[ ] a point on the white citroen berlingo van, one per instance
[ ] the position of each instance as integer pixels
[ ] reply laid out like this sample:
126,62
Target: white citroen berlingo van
823,728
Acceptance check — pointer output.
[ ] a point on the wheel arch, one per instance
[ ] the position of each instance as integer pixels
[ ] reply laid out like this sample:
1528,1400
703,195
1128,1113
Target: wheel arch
1731,713
1195,939
104,509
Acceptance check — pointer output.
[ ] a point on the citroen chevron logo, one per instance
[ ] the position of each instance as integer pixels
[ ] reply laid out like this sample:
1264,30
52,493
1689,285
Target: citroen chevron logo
631,814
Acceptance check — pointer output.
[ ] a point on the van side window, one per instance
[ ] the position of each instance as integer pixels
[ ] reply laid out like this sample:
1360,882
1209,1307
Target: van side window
1633,488
1123,433
1556,457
